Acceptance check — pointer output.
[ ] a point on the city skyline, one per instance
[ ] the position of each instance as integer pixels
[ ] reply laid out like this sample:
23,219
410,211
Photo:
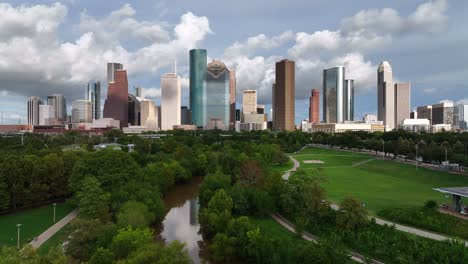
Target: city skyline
257,49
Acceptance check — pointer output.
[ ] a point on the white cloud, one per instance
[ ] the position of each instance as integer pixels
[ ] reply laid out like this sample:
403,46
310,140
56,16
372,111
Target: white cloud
151,92
261,41
429,16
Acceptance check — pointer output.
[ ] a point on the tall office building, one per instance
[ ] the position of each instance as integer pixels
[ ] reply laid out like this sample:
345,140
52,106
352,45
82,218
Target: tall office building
198,64
386,95
59,103
46,115
185,115
334,95
402,102
460,116
82,111
232,97
93,94
116,104
170,101
272,102
442,113
314,106
249,102
217,105
111,68
134,112
349,100
149,114
33,110
284,98
138,91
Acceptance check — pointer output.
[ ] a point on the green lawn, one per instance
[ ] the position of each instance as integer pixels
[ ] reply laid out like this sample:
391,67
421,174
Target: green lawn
282,168
33,223
379,184
275,230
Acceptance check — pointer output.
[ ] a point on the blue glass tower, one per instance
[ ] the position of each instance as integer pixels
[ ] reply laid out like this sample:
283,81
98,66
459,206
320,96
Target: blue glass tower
198,62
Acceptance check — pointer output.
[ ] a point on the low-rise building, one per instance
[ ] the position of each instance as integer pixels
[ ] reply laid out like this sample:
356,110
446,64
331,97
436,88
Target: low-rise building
345,127
416,125
441,127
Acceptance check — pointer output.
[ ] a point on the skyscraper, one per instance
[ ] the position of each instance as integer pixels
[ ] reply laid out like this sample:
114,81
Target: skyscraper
284,105
184,115
217,104
138,91
111,68
198,60
82,111
59,103
93,94
46,114
349,100
314,106
249,102
170,101
232,97
273,103
134,112
333,95
116,104
149,114
386,95
402,102
33,110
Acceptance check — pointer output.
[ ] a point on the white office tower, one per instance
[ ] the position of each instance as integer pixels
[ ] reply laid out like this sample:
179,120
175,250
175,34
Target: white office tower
33,110
170,101
46,114
149,115
82,111
249,102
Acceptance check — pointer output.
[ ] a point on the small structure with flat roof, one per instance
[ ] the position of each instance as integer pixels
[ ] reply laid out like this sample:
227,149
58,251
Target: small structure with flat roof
457,193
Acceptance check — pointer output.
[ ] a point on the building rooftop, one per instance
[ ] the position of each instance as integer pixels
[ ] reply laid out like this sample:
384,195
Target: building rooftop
461,191
385,65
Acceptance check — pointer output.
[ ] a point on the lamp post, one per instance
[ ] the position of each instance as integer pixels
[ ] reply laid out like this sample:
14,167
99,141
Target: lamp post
55,204
18,225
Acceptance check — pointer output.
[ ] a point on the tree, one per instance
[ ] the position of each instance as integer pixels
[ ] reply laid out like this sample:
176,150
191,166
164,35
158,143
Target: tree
4,195
215,218
328,251
134,214
102,256
93,202
251,174
351,214
223,247
129,240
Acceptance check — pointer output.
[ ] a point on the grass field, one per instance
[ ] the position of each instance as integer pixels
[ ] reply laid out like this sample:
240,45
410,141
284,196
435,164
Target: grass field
33,223
378,183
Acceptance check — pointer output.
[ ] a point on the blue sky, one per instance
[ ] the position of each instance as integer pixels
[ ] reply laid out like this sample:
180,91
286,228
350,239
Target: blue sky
50,47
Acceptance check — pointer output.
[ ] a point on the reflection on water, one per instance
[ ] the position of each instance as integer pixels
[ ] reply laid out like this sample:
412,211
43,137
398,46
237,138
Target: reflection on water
181,221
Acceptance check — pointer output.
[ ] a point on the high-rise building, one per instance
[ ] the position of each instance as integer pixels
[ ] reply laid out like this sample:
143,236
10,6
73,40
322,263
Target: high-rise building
138,92
170,101
217,105
59,103
273,102
184,115
260,109
134,110
349,100
284,98
111,68
82,112
460,116
386,95
149,114
402,102
425,112
232,98
46,115
93,94
249,102
198,64
314,106
116,104
33,110
442,113
334,95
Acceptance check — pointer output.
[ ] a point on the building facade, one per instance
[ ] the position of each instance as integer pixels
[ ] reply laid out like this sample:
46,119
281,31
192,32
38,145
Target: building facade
33,110
333,95
93,94
59,103
198,64
217,83
314,106
442,114
402,102
232,97
111,68
82,111
345,127
116,104
46,115
249,102
460,117
349,100
170,101
185,115
284,96
386,95
149,115
134,110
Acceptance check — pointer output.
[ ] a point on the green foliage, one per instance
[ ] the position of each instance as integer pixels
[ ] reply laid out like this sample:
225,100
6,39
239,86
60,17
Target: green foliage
102,256
27,255
351,214
134,214
93,201
129,240
431,204
328,251
215,218
212,183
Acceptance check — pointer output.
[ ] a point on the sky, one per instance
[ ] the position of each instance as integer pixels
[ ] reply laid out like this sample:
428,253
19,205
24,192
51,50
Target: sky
59,46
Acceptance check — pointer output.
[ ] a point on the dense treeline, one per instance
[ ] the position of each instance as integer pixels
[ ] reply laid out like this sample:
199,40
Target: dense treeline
431,147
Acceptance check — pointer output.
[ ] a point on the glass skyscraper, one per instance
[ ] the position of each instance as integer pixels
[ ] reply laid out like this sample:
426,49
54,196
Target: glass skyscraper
198,60
217,94
93,94
349,100
333,95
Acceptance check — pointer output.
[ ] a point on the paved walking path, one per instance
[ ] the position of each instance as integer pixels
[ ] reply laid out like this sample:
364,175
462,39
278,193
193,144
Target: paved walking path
407,229
42,238
307,236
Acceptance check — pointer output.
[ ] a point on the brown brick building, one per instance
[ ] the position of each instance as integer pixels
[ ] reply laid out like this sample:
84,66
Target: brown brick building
314,106
284,96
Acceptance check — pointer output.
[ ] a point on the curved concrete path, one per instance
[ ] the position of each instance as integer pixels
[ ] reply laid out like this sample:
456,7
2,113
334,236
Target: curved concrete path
42,238
403,228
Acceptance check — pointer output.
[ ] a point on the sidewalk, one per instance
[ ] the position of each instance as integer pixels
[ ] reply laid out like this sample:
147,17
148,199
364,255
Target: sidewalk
42,238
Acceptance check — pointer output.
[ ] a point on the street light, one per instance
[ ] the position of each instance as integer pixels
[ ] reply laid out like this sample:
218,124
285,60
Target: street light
18,225
55,204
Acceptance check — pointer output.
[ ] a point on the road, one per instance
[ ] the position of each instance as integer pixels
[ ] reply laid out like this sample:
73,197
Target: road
42,238
407,229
